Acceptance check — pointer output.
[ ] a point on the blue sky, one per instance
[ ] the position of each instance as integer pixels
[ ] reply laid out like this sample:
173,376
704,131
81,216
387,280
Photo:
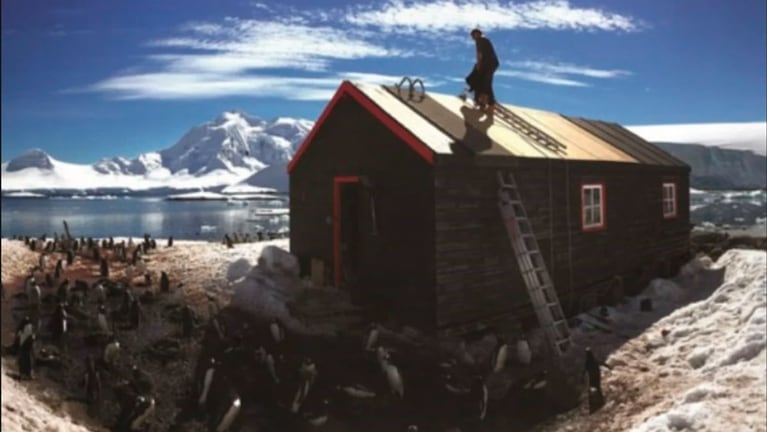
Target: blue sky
92,78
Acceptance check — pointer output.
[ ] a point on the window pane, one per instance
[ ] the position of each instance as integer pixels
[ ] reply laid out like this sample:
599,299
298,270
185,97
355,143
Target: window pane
598,196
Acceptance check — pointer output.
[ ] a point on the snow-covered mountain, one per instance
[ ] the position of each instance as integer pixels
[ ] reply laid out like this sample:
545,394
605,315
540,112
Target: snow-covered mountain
273,177
721,155
218,153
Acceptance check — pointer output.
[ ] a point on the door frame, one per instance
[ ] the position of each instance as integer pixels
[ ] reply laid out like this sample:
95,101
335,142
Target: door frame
338,181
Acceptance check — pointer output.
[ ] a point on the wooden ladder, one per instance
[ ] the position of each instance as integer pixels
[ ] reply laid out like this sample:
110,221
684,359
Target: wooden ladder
525,128
534,272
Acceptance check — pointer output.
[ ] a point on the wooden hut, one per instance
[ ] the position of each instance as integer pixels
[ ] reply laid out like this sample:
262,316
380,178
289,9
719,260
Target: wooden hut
395,192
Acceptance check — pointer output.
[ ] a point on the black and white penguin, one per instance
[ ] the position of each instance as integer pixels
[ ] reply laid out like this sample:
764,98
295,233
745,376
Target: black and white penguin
100,293
478,395
96,254
70,257
24,331
277,331
153,244
102,324
392,374
42,261
92,383
49,280
228,241
26,359
104,268
187,321
111,353
134,418
500,355
170,241
35,295
164,282
524,354
63,292
227,411
135,314
59,322
140,381
308,373
204,386
111,243
59,269
371,338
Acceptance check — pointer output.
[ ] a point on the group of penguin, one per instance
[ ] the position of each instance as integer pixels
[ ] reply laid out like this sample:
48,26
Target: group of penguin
270,368
70,306
235,238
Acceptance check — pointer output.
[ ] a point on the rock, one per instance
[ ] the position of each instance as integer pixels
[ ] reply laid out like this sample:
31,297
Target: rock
276,259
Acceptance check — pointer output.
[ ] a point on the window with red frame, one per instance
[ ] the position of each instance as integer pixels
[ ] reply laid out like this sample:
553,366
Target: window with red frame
669,200
592,206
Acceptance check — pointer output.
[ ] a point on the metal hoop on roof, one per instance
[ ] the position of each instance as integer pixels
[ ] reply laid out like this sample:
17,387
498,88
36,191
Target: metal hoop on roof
411,88
423,89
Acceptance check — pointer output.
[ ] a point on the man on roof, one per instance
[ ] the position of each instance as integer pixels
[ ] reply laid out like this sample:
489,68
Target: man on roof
481,78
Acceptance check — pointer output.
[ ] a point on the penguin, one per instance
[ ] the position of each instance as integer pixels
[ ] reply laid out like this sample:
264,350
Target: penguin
70,257
524,354
205,385
500,355
271,367
111,351
393,376
92,383
49,280
59,269
147,280
58,323
42,261
372,337
231,408
140,382
153,244
24,331
228,241
479,394
26,359
104,268
130,243
308,372
104,244
187,321
135,314
101,320
63,292
164,282
35,295
260,235
134,418
100,293
111,243
170,241
277,331
33,245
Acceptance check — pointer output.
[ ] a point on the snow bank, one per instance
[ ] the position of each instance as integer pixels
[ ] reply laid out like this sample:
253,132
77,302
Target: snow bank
699,367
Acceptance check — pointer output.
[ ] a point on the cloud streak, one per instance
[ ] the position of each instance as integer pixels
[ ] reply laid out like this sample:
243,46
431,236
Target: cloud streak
303,55
558,74
456,15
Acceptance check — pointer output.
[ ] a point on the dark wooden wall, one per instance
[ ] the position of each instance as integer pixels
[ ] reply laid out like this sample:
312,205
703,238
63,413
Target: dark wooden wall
398,263
476,273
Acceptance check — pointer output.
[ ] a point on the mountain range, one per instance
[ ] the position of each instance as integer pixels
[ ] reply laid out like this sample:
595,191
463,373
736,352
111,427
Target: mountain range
224,152
237,153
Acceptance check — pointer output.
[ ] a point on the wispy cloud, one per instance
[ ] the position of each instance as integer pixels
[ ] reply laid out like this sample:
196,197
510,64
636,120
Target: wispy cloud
303,54
60,31
457,15
559,74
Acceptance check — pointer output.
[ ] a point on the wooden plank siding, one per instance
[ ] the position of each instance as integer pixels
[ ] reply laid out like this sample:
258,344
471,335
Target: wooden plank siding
397,264
476,273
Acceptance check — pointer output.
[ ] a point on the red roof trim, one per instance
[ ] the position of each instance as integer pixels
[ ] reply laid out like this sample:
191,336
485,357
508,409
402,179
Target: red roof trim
348,89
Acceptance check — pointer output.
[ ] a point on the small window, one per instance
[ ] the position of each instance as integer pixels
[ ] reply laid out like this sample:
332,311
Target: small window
592,206
669,200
